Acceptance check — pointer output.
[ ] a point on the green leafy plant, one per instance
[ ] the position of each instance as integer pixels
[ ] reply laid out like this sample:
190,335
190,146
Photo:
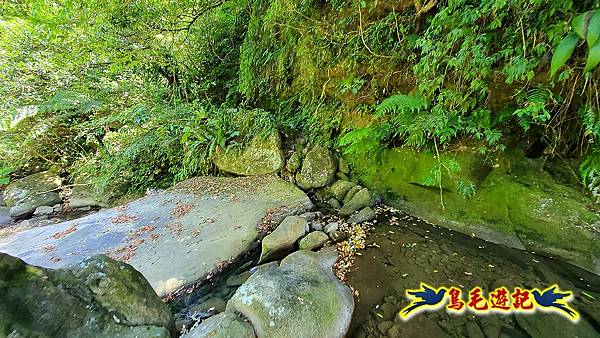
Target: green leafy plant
353,85
535,107
5,175
585,27
466,188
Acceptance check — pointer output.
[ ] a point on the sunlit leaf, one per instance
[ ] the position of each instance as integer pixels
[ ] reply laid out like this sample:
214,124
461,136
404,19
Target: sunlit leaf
593,57
593,29
580,24
563,52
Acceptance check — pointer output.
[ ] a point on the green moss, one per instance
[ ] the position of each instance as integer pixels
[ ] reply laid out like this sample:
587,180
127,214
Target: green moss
517,202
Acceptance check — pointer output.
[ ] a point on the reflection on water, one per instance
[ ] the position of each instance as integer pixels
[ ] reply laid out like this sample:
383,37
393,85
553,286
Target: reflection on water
404,251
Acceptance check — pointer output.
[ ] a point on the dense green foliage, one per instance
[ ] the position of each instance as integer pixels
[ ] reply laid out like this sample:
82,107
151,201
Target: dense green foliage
142,93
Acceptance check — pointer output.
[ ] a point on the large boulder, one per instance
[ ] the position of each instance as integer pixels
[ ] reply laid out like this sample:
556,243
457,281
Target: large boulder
518,202
223,325
203,224
300,298
99,298
318,169
122,289
25,195
260,157
284,237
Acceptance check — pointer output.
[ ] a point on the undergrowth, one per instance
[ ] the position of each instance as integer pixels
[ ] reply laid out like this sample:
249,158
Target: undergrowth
149,91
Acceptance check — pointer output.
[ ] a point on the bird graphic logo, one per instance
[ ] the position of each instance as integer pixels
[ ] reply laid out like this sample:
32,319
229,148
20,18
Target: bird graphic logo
424,298
553,300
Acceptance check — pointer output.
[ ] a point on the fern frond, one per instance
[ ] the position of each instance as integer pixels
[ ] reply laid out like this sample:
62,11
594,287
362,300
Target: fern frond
360,141
402,104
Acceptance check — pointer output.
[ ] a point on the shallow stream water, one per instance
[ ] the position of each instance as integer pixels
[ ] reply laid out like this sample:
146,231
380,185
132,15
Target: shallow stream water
403,251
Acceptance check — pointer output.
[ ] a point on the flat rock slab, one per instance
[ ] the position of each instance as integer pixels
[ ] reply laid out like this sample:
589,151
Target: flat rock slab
174,237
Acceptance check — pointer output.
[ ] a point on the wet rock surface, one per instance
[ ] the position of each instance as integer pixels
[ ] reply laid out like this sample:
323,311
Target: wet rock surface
283,239
98,298
174,237
403,251
223,325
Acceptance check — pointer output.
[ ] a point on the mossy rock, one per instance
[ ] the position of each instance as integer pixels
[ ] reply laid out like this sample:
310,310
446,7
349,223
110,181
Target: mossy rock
517,203
318,169
261,156
83,194
25,195
300,298
39,302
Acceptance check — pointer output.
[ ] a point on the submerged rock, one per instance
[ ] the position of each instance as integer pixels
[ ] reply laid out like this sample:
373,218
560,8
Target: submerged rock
318,169
283,238
366,214
25,195
260,157
223,325
300,298
99,298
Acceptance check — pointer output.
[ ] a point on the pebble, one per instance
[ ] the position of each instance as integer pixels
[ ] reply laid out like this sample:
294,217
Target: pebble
316,226
331,228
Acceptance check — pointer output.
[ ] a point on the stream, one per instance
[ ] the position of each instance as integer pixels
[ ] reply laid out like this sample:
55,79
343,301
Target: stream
403,251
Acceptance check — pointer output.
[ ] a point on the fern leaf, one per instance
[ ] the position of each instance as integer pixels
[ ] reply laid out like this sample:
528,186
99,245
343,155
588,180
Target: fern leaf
402,104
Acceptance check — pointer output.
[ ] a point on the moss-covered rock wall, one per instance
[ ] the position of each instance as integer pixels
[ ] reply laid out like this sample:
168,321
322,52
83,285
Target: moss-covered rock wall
517,201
